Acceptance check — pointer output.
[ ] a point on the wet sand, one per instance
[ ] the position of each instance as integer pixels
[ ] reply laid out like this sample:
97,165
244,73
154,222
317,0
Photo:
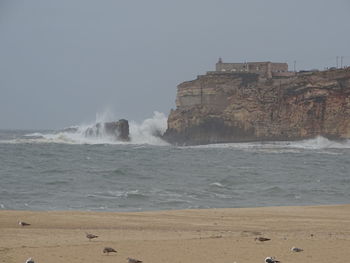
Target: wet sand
214,235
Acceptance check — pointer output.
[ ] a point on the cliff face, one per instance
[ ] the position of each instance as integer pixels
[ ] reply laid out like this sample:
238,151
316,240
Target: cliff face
233,107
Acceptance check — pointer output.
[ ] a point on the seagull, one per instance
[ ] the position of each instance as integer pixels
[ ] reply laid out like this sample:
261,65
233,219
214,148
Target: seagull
109,250
30,260
133,260
262,239
271,260
296,249
21,223
90,236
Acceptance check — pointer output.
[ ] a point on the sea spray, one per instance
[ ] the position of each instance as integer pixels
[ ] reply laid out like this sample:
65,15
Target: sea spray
150,130
147,132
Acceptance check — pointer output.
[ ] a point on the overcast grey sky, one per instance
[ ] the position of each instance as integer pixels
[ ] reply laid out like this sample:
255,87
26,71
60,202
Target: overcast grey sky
61,62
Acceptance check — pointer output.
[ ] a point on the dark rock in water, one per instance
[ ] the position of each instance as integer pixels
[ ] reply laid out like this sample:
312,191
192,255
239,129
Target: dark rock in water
118,129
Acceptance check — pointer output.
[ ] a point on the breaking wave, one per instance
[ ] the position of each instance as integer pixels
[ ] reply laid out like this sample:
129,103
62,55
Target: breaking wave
147,132
318,143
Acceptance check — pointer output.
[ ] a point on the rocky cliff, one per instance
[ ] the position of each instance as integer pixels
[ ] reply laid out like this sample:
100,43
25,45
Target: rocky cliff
235,107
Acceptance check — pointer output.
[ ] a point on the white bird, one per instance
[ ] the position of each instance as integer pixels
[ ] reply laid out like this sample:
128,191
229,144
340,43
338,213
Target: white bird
21,223
30,260
271,260
296,249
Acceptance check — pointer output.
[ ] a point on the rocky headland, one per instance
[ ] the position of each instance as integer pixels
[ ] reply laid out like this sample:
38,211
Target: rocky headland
224,107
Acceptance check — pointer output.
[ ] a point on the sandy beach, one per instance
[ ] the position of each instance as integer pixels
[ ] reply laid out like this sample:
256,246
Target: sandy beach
214,235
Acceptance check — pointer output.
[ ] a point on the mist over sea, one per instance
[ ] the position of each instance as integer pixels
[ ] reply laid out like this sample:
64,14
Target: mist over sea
58,170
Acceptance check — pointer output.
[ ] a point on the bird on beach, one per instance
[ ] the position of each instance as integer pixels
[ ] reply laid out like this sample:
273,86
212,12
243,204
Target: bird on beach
262,239
109,250
133,260
271,260
21,223
296,249
30,260
90,236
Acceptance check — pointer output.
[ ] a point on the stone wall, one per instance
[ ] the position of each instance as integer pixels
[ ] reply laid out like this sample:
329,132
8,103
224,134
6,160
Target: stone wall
231,67
265,69
262,68
279,67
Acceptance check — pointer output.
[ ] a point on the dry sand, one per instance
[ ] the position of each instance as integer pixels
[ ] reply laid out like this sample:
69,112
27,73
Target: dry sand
214,235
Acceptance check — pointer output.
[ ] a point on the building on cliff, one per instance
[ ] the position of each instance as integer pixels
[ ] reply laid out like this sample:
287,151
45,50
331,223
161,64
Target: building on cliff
265,69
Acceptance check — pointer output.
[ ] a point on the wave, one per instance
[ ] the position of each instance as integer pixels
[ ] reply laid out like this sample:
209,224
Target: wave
322,143
318,143
147,132
217,184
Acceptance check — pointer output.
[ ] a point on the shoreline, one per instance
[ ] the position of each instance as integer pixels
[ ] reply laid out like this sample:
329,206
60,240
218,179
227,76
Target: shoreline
199,235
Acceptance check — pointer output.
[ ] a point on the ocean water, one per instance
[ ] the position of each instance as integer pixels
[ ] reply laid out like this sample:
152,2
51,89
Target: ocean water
58,170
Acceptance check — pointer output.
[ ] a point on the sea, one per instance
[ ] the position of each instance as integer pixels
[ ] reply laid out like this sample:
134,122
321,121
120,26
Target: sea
67,169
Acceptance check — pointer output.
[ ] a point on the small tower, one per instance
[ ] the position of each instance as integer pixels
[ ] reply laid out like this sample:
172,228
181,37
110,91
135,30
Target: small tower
218,66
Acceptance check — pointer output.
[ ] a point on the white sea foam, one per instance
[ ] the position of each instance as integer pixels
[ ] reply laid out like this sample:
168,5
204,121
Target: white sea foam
217,184
321,143
147,132
285,146
35,134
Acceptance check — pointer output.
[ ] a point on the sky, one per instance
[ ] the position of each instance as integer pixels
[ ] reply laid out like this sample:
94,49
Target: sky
64,62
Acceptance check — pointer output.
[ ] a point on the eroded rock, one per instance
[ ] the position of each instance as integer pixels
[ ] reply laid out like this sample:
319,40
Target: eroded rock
231,107
118,129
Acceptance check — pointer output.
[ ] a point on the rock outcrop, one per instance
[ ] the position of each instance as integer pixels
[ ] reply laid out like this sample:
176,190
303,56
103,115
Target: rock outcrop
235,107
118,130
